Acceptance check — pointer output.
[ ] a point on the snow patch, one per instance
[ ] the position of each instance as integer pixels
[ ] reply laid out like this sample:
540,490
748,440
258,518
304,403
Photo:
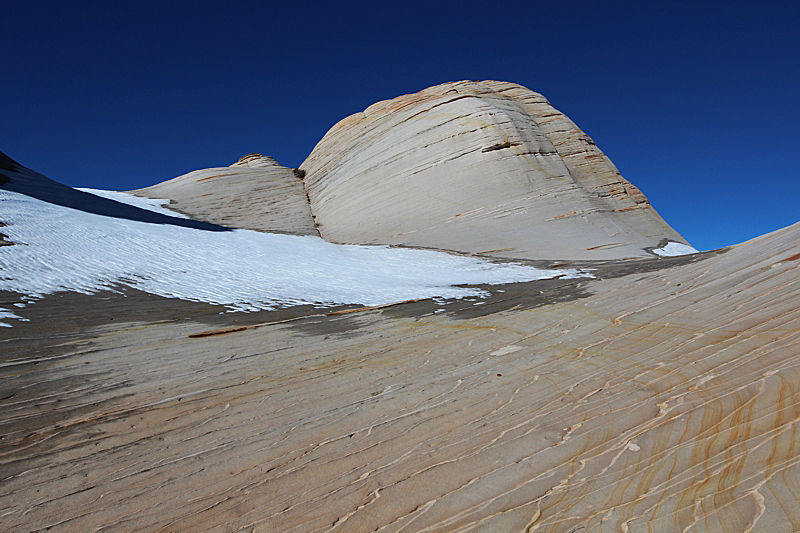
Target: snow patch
7,313
672,249
63,249
151,204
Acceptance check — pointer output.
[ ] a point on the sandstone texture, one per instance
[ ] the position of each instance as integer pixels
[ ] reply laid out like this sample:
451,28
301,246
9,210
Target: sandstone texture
254,193
662,396
479,167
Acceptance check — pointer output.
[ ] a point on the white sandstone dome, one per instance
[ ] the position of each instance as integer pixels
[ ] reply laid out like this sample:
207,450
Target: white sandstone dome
479,167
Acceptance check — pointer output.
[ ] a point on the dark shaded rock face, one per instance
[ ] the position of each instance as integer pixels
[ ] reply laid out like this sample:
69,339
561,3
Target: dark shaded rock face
6,163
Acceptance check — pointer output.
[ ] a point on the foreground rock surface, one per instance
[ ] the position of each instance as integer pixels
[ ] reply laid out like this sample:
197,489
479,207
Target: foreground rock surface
479,167
663,396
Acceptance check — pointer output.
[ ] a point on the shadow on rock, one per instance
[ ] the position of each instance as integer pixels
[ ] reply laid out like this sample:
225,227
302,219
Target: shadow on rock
17,178
329,325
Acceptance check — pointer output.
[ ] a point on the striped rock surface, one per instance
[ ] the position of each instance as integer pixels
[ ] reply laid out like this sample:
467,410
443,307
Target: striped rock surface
663,396
254,193
480,167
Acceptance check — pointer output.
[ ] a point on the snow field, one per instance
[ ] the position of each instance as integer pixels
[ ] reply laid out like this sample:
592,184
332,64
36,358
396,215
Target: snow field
62,249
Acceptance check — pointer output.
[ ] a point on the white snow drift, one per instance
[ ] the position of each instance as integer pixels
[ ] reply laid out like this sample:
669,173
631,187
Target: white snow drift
62,249
672,249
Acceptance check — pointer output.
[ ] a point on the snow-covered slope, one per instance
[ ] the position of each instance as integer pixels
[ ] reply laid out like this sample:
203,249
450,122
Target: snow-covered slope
19,179
57,248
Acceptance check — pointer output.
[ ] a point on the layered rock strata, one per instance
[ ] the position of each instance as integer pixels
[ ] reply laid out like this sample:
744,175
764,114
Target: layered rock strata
663,396
479,167
254,193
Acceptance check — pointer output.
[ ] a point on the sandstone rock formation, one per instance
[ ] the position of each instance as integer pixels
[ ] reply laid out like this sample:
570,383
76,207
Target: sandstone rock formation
662,396
487,168
480,167
254,193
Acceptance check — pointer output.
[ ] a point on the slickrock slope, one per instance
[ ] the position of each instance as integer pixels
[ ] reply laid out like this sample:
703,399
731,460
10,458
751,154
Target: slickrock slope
254,193
480,167
663,396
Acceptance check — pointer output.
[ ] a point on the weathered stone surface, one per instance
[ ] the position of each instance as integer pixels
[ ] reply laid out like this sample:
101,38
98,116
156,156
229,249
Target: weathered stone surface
663,396
479,167
254,193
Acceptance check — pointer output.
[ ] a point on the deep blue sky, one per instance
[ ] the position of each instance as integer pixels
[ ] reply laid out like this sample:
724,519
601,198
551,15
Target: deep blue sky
695,102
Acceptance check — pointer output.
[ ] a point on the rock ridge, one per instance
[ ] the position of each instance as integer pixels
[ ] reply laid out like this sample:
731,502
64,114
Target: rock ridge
255,160
255,193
